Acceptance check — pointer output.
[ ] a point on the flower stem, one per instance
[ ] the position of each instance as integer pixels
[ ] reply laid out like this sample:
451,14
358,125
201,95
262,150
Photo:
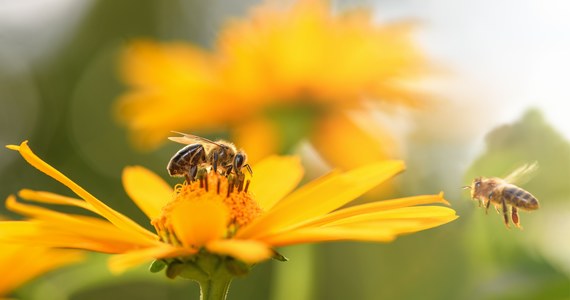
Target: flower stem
212,274
215,288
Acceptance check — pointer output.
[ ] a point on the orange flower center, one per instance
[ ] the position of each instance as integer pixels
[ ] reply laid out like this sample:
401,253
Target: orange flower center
211,188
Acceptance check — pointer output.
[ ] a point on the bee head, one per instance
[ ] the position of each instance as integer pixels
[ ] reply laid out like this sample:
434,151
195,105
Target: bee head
239,160
474,187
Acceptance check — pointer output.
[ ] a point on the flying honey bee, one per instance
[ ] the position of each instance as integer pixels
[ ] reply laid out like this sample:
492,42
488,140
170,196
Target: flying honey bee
201,152
504,194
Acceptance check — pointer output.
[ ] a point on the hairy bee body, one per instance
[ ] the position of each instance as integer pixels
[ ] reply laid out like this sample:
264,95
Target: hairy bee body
504,194
221,156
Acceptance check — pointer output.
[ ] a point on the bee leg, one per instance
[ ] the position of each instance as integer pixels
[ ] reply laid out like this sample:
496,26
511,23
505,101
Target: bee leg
215,161
229,169
191,173
240,181
487,205
248,167
238,177
505,213
515,217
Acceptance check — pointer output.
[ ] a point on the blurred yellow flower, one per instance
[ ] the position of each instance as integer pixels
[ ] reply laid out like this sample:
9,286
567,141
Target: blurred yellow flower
307,53
280,72
23,263
210,216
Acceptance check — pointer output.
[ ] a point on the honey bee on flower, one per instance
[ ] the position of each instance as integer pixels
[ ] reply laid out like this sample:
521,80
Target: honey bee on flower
203,153
209,231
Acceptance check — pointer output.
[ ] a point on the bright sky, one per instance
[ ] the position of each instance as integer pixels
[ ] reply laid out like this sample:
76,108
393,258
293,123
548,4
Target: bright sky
514,54
34,27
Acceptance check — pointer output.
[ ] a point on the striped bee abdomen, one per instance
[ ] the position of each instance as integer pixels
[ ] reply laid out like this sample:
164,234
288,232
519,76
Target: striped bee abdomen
185,158
520,198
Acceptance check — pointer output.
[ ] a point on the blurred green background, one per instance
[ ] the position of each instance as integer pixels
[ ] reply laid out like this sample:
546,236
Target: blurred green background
58,80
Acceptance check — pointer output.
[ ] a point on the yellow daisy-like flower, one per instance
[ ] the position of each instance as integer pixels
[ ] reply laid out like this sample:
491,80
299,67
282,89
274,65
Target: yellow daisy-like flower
307,53
23,263
212,218
286,72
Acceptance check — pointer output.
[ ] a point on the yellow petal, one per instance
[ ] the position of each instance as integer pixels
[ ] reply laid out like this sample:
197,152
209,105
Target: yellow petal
322,197
274,178
382,230
82,236
121,262
147,190
113,216
35,211
51,198
75,223
372,226
412,213
248,251
78,231
197,222
377,206
34,234
327,234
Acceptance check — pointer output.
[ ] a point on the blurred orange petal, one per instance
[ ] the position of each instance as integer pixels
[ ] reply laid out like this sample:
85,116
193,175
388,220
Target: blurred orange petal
347,142
120,263
249,251
27,262
258,137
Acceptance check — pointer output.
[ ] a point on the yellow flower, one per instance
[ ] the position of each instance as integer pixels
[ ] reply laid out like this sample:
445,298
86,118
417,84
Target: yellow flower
23,263
238,223
282,72
307,53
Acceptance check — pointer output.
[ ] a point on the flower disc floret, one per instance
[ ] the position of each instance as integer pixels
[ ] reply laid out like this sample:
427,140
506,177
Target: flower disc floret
230,206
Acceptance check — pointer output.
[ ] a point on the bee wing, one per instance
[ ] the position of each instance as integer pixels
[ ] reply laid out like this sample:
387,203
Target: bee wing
188,139
522,174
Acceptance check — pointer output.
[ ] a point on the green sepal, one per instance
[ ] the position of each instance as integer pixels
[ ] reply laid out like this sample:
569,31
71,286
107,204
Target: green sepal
157,266
237,267
174,269
278,256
